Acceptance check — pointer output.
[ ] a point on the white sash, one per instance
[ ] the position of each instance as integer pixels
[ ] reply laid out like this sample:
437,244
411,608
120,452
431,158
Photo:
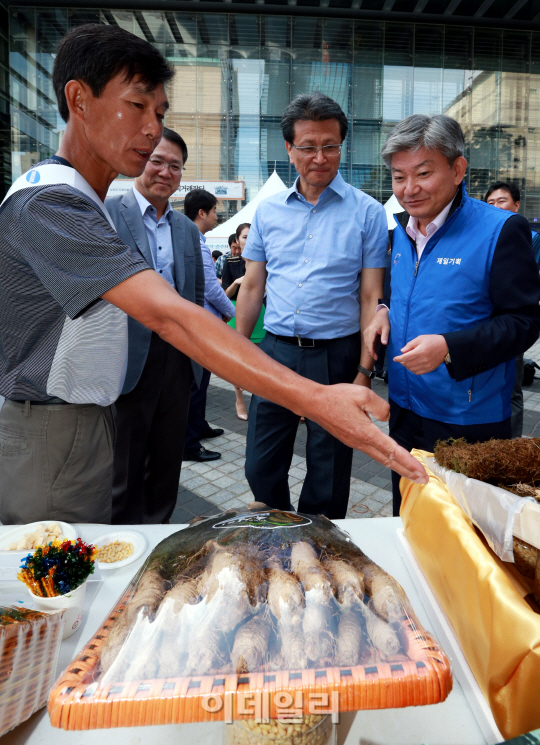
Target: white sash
90,360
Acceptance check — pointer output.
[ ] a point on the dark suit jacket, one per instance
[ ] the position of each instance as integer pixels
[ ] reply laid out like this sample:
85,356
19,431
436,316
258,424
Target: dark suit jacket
188,272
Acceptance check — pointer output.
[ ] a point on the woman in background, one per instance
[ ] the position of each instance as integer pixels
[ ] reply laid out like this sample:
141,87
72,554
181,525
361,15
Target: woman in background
234,269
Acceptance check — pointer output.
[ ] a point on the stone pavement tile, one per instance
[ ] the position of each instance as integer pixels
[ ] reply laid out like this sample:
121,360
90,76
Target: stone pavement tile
381,483
213,475
372,467
363,487
194,482
372,504
224,482
297,460
207,490
234,504
227,468
198,506
180,515
296,489
297,473
222,496
200,468
241,487
386,511
184,495
359,510
382,495
228,457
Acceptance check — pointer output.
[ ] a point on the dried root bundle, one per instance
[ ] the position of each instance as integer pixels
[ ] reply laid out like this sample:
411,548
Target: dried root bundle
285,596
293,647
309,570
317,627
387,596
147,596
348,582
501,462
251,644
349,638
381,634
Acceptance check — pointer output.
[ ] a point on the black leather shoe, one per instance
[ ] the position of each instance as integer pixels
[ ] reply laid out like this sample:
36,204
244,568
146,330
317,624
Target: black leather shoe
210,432
202,456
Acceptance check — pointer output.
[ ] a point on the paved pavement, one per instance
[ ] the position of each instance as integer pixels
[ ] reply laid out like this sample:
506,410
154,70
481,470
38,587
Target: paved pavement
219,484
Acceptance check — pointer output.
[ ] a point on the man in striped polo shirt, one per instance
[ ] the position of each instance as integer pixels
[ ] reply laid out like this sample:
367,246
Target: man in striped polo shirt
67,282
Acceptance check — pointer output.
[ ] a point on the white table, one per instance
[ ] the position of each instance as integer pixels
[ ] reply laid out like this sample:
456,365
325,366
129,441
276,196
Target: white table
449,723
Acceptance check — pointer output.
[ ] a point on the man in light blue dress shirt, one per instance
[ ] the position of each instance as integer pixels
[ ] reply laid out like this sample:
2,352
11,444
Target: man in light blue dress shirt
200,206
320,248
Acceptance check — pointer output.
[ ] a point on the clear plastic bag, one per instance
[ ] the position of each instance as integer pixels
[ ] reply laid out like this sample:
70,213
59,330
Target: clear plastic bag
234,601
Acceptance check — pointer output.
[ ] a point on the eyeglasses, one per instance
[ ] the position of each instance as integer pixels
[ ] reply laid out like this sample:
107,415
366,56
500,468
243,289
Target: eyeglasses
174,168
310,151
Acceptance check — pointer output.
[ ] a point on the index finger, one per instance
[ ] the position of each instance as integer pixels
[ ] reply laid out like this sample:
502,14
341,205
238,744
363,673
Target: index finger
386,451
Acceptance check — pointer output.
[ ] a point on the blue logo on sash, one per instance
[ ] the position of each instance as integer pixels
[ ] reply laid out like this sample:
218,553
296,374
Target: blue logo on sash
33,177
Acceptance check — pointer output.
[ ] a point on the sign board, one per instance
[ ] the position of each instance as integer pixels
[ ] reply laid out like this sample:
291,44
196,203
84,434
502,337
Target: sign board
220,189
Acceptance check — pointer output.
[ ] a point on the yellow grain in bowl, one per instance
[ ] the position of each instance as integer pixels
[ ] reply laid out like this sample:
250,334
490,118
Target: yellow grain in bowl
115,551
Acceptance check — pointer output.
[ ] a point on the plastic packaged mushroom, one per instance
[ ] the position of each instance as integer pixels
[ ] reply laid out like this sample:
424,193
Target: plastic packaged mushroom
279,600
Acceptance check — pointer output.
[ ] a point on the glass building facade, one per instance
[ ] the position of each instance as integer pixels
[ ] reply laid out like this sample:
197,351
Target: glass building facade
235,73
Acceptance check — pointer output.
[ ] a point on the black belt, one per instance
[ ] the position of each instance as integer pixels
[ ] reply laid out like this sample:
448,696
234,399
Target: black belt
50,402
299,341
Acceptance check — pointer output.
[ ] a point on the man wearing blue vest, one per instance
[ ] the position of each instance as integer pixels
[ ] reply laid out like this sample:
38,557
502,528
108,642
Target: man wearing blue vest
462,306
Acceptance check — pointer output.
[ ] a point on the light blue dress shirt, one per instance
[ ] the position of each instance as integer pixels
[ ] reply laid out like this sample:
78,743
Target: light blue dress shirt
215,299
314,256
159,237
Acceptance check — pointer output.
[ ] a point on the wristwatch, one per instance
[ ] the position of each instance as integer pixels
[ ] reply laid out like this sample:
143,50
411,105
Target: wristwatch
368,373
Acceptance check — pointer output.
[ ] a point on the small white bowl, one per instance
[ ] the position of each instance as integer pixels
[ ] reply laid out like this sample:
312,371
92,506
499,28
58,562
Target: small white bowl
130,536
73,603
68,531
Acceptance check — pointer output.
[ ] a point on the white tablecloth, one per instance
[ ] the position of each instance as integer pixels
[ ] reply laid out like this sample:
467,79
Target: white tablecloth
449,723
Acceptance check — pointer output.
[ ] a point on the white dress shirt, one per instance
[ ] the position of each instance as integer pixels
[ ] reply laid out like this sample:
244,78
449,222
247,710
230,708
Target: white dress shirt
413,231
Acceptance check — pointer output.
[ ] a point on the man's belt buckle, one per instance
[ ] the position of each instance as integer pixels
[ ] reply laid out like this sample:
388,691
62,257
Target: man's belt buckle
302,342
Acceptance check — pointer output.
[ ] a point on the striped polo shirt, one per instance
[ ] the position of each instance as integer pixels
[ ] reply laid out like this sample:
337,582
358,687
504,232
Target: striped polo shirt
58,255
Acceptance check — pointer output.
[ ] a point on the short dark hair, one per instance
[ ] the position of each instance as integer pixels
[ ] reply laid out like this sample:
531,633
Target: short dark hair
198,199
95,53
512,189
241,227
232,239
216,254
174,137
312,107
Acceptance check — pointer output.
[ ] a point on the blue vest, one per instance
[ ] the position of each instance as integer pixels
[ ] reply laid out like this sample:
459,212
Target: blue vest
448,290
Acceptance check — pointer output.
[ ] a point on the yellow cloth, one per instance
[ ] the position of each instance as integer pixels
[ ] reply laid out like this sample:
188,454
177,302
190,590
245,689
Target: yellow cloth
484,599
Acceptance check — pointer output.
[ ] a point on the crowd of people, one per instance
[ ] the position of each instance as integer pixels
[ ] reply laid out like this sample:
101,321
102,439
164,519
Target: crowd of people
114,312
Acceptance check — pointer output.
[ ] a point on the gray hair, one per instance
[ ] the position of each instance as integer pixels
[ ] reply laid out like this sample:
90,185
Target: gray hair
441,133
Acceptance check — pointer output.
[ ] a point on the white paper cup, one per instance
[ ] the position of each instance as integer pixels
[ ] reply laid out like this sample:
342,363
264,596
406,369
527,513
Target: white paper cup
73,603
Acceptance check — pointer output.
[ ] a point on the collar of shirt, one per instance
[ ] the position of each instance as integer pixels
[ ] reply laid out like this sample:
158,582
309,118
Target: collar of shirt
419,238
337,186
144,204
202,237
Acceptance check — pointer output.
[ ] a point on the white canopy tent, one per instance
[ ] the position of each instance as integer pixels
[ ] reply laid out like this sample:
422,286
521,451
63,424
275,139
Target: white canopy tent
392,207
217,238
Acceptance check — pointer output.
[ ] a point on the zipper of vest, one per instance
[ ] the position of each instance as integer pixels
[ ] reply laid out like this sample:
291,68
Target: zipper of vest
470,395
416,267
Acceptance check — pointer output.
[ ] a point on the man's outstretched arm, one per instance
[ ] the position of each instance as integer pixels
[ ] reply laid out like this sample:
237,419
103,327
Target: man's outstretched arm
343,410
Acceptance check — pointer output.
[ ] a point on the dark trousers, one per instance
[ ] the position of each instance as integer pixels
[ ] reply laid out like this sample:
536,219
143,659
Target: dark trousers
151,425
272,431
413,431
517,399
197,413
